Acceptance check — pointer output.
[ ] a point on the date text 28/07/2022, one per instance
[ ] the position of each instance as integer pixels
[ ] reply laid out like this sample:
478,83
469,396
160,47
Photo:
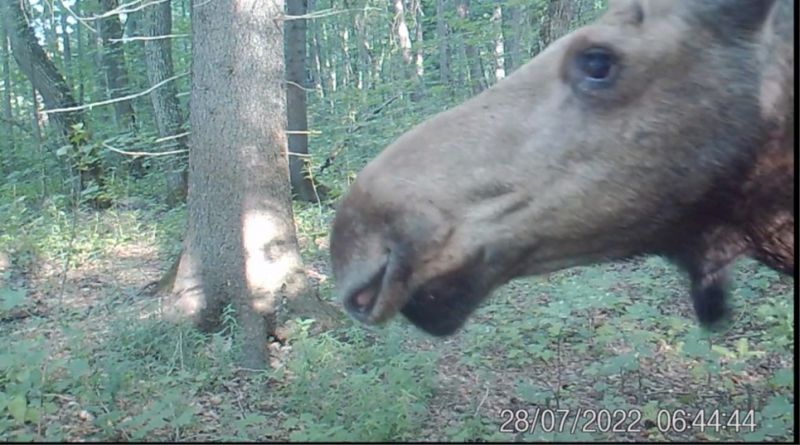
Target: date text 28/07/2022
624,421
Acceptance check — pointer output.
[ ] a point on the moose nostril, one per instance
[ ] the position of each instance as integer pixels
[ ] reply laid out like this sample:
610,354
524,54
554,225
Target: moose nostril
361,302
363,298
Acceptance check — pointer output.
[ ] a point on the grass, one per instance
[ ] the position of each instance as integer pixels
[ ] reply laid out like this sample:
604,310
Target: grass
84,357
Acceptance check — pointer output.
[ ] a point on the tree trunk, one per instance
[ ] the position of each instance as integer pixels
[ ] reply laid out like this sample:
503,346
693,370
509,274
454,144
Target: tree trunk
365,55
344,42
499,44
240,245
477,81
512,25
419,54
45,78
8,111
297,118
36,132
114,66
50,33
556,21
442,36
36,129
134,51
401,30
99,88
81,54
329,72
316,63
403,37
156,21
67,48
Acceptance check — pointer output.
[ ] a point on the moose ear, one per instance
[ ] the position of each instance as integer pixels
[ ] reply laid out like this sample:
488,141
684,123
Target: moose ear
733,17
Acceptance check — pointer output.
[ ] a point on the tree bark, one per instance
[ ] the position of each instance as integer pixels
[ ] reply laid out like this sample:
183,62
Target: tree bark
296,110
67,50
329,71
81,54
50,33
499,43
240,246
316,63
344,44
114,66
443,38
401,30
477,81
419,53
40,70
134,51
156,21
99,88
403,37
557,21
512,24
36,132
45,78
365,56
8,111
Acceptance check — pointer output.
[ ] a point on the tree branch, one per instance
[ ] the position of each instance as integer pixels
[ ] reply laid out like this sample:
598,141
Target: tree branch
121,9
115,100
326,13
143,153
140,38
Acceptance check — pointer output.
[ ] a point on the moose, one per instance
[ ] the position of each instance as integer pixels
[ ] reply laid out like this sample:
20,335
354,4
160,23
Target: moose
663,128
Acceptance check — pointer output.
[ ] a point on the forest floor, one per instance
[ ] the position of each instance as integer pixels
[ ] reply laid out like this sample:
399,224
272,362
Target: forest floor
86,357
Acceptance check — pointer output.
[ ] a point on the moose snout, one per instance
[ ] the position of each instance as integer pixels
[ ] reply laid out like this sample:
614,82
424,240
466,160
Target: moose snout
383,247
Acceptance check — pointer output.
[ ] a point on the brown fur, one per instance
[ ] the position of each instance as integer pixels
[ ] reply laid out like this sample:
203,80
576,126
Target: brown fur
687,154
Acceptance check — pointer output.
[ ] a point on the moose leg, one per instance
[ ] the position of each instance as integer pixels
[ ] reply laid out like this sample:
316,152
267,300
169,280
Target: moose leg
709,287
709,297
706,260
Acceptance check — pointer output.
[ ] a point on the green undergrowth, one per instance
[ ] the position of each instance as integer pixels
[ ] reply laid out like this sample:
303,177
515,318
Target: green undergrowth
622,337
618,336
146,379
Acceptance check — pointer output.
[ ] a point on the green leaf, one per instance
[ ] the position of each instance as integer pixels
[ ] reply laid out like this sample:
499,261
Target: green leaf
24,375
695,347
17,407
77,368
783,377
723,351
773,427
742,347
778,406
33,414
10,298
7,361
533,393
63,150
185,418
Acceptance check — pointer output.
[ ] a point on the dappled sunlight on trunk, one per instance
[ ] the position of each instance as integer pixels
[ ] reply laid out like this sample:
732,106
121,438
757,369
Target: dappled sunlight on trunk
269,263
189,298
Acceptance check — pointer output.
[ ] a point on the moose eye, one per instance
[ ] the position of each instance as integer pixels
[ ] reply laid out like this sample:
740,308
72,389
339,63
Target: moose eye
597,67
